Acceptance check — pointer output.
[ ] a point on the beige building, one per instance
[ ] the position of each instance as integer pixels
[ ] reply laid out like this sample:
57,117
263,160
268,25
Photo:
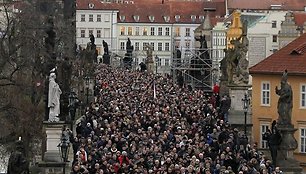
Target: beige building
293,26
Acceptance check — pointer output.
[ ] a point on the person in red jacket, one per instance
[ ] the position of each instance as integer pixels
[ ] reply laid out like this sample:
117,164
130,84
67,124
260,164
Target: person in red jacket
123,159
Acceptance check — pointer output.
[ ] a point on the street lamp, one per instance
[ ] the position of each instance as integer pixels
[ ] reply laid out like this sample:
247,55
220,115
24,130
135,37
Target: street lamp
246,103
87,88
63,147
156,63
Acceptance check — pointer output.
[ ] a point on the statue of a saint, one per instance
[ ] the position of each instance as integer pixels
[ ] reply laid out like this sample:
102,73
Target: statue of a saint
54,99
284,106
18,163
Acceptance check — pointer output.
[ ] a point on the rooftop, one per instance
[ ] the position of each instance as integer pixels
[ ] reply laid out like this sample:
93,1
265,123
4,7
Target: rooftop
170,12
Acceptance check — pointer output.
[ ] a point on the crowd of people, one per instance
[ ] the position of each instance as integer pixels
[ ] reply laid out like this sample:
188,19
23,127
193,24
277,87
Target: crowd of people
143,123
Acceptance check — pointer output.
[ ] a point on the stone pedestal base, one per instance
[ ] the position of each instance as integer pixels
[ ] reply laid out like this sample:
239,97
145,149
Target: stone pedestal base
53,135
106,59
54,167
150,66
236,93
285,159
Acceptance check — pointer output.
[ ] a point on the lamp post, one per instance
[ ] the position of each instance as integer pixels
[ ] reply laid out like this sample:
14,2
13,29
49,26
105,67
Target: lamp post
246,103
156,63
87,88
64,147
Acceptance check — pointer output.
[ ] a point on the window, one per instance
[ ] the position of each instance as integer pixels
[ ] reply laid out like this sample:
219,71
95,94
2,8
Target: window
167,31
136,18
90,32
193,18
82,33
107,32
145,31
136,46
91,18
201,18
152,44
151,18
303,96
82,18
303,140
144,45
122,30
274,38
159,62
98,33
187,44
167,62
160,46
167,46
137,31
263,129
160,31
177,18
187,32
273,24
130,31
265,93
98,18
106,18
152,31
122,45
177,31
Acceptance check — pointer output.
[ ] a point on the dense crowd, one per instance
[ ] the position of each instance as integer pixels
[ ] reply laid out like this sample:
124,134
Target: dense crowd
142,123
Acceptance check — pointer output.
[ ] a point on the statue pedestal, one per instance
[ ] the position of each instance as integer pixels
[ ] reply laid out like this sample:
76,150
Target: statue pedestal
53,135
150,65
52,162
236,93
285,159
106,59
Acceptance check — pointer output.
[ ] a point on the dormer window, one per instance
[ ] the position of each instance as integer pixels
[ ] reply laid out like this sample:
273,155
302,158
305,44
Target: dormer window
167,18
276,7
177,18
151,18
193,18
122,18
201,18
136,18
91,5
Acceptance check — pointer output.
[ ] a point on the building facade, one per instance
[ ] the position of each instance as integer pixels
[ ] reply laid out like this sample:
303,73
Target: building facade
266,76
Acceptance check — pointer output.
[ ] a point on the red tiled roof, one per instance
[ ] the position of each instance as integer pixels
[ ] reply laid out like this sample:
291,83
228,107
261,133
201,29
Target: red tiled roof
299,18
84,5
158,10
295,5
291,57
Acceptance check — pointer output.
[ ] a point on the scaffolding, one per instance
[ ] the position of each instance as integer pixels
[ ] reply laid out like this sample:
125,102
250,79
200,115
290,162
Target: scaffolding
198,68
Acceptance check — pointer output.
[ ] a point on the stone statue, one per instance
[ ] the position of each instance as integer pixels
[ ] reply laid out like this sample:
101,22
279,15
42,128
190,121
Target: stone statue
105,46
235,62
284,106
54,98
129,46
128,58
18,164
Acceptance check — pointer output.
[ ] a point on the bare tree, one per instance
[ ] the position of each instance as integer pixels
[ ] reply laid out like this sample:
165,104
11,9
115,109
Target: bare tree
21,72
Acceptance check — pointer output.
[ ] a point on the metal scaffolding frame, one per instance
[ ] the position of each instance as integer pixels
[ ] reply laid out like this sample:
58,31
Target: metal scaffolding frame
198,68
